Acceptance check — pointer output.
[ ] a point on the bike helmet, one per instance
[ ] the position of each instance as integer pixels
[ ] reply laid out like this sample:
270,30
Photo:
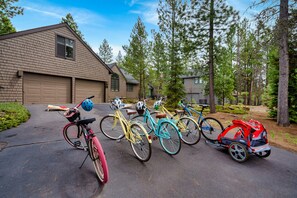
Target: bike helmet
157,104
140,107
87,105
117,102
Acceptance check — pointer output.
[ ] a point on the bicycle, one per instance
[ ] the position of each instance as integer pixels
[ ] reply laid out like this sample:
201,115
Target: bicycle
78,128
164,129
210,127
116,126
188,127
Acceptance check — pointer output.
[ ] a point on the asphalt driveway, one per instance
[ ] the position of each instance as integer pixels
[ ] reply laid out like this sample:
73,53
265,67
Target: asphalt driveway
35,161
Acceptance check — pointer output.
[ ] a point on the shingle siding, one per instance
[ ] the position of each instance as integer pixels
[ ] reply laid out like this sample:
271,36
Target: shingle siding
36,52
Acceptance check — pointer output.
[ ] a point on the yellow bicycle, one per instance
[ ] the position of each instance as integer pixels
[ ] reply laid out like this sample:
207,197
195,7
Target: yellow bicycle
116,126
188,127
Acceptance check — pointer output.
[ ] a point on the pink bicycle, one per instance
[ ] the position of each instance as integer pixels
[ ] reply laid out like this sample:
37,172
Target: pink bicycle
79,135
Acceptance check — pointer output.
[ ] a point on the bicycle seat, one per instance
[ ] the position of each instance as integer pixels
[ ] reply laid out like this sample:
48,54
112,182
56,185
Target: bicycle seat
130,111
161,115
204,105
86,121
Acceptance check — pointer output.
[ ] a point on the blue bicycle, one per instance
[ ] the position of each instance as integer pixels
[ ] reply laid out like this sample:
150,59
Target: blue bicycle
210,127
163,128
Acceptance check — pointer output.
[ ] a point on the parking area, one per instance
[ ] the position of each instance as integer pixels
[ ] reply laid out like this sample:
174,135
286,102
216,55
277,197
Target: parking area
36,161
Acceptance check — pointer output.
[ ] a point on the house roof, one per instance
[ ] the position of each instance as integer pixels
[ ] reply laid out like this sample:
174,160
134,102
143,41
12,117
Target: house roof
129,78
50,27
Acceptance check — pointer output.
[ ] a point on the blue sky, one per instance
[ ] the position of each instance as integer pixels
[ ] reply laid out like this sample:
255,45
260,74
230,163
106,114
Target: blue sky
98,19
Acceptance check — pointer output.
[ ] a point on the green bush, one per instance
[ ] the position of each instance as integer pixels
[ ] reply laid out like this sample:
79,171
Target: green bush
12,114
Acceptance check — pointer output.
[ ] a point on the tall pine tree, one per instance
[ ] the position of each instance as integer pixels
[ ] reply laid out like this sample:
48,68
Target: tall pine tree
171,22
210,20
135,61
70,21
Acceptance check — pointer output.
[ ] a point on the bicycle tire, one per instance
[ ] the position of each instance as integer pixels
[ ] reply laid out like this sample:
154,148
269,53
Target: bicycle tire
169,138
211,128
189,130
111,127
98,159
73,136
141,148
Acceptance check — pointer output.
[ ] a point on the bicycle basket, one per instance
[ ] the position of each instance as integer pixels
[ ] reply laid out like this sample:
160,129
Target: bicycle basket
72,114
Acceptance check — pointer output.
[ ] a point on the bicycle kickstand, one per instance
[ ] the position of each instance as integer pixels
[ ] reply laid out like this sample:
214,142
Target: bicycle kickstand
84,161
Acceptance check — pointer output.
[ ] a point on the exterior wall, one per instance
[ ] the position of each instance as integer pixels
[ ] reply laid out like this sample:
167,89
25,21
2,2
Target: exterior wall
36,52
122,84
133,94
194,92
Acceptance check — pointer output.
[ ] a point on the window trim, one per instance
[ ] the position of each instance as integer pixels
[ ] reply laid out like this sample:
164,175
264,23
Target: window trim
131,86
117,84
74,47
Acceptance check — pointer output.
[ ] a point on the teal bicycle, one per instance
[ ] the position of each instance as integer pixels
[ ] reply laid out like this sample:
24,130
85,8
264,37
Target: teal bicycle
163,128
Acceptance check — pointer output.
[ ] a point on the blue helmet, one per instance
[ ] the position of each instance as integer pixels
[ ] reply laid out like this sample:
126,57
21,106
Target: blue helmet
87,105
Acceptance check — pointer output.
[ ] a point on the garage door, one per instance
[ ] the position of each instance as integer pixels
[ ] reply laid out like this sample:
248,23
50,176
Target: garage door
44,89
86,88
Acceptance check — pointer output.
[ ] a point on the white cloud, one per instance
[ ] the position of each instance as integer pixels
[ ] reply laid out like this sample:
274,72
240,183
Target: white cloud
147,11
80,15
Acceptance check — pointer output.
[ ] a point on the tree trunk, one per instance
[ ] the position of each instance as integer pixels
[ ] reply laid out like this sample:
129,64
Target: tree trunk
282,104
211,65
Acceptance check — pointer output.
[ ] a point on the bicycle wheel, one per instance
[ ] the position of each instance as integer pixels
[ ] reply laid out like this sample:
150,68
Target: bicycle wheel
169,138
99,160
141,147
73,135
111,127
211,128
189,129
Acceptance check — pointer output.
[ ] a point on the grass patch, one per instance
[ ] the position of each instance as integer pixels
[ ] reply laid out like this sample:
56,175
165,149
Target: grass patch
290,138
12,114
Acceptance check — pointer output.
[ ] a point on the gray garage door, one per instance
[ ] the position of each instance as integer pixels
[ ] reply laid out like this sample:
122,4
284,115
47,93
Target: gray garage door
45,89
86,88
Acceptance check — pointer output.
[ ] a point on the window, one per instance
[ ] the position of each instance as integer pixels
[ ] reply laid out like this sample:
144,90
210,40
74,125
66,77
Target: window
115,84
65,47
197,81
130,87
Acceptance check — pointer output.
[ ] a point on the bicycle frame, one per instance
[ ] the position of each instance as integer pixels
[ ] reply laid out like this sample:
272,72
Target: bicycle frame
126,126
155,126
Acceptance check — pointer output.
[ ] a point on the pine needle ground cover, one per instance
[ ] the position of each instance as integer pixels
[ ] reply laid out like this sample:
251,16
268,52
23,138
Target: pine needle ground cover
12,114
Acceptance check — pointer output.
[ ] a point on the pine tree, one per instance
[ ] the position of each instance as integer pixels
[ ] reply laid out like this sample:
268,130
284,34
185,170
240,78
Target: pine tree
171,22
119,59
135,61
211,18
7,11
105,52
70,21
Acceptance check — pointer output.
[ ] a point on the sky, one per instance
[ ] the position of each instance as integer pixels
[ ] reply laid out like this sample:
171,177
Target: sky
112,20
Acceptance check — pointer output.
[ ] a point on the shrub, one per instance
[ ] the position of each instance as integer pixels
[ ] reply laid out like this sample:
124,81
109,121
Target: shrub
12,114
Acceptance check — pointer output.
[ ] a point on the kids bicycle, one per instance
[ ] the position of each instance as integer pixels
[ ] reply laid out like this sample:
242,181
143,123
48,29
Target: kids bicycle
164,129
116,126
78,128
188,127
